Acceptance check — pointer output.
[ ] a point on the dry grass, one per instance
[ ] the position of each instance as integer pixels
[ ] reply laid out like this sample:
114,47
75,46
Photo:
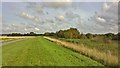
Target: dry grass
16,36
105,58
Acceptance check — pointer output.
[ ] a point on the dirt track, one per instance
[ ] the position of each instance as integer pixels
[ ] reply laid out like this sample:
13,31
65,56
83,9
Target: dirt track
4,43
16,36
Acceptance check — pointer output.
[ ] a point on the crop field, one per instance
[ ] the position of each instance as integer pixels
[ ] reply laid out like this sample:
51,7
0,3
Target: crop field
10,38
38,51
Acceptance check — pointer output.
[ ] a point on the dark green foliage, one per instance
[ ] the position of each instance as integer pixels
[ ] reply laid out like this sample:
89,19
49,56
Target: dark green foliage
69,33
118,36
82,36
60,33
89,35
19,34
49,34
32,33
109,35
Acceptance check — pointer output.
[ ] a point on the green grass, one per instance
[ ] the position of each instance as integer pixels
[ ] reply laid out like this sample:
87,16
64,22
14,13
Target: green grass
111,47
41,52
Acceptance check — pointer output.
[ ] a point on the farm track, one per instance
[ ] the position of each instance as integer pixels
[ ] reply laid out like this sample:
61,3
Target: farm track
41,52
8,42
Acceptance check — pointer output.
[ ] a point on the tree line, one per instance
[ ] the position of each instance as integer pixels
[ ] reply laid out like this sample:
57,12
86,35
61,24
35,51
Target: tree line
25,34
71,33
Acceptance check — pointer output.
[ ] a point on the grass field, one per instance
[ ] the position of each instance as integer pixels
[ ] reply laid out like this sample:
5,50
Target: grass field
41,52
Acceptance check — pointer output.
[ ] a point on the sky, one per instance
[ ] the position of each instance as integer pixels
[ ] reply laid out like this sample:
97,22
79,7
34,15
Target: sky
40,17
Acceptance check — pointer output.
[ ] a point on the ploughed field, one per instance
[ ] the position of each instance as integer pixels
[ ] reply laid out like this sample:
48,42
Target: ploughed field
38,51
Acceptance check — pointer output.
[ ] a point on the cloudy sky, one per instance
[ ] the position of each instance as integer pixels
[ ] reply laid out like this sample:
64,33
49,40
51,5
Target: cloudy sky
40,17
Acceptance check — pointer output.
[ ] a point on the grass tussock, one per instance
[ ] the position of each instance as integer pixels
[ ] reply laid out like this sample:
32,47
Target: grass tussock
105,58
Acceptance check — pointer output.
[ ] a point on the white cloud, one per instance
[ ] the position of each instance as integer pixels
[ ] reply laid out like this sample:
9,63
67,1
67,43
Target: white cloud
26,15
30,17
101,19
25,29
110,12
37,29
60,17
107,17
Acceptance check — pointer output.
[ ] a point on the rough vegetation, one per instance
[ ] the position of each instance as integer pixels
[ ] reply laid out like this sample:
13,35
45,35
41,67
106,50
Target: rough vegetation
105,58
